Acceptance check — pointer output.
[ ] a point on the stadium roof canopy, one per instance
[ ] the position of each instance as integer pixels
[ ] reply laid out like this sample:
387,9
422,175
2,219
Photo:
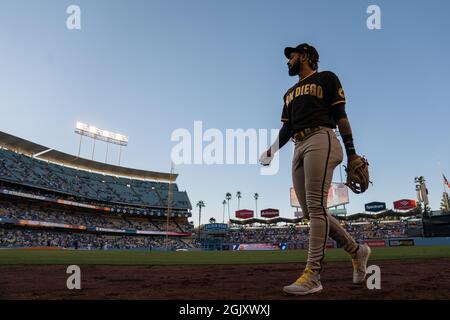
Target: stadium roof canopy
18,144
384,214
44,153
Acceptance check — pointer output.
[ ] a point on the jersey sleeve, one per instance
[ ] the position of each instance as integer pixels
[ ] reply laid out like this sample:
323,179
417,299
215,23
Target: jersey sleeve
284,115
334,91
285,112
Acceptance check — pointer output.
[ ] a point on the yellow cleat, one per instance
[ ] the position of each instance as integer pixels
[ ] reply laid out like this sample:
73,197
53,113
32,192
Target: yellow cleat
309,282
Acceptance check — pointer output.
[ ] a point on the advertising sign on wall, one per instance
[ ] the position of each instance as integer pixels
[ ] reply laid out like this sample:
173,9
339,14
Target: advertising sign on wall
244,214
337,195
270,213
375,206
404,204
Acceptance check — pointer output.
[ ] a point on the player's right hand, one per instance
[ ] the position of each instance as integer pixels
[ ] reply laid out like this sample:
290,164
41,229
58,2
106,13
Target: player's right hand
266,157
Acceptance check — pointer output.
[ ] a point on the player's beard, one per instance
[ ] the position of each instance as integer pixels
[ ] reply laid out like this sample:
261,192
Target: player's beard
294,70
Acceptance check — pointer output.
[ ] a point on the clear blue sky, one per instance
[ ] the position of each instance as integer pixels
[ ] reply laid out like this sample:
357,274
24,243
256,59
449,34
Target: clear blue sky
146,68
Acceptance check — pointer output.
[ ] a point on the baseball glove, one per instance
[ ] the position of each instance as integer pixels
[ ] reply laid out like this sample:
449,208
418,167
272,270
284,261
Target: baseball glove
358,175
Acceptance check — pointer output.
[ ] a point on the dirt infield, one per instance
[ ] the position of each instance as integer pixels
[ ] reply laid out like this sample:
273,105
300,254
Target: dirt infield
411,279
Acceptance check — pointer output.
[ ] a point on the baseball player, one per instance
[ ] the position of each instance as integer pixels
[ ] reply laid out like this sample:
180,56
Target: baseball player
313,107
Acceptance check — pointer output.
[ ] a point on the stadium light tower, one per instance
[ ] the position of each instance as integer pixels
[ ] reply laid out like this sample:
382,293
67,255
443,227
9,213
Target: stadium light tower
103,135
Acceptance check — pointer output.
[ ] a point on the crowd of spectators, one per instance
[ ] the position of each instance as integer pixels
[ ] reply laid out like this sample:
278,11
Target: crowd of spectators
18,237
289,234
26,170
377,230
135,205
28,237
297,236
48,214
115,208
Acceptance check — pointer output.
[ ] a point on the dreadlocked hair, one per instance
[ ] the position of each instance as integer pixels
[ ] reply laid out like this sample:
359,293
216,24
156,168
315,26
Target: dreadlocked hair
313,57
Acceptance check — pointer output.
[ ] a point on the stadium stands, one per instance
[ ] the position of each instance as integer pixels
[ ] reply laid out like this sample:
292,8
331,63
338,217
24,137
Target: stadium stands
376,229
47,204
24,170
297,236
45,213
43,203
12,238
268,235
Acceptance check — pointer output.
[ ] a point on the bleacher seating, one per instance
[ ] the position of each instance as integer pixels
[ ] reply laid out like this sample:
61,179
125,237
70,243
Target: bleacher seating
18,237
23,211
133,205
297,236
25,170
78,217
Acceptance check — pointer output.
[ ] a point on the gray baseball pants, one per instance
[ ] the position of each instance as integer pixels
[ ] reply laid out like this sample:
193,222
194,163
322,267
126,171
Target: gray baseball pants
313,164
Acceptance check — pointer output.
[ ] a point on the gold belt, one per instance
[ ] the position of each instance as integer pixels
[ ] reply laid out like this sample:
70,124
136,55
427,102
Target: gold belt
301,135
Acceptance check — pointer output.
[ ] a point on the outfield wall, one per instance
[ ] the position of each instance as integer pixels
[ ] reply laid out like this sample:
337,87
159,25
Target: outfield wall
392,242
409,241
438,241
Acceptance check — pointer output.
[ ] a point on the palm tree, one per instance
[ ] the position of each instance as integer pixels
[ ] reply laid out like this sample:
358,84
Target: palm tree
228,197
200,205
239,196
256,196
223,213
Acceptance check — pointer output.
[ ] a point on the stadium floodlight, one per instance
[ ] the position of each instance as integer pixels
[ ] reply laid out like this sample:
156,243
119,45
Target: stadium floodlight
95,133
99,134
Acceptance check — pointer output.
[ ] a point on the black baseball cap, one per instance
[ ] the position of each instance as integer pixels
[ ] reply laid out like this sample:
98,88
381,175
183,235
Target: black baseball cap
299,49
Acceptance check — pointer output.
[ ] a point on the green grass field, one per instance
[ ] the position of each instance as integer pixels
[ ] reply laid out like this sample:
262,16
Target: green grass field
65,257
